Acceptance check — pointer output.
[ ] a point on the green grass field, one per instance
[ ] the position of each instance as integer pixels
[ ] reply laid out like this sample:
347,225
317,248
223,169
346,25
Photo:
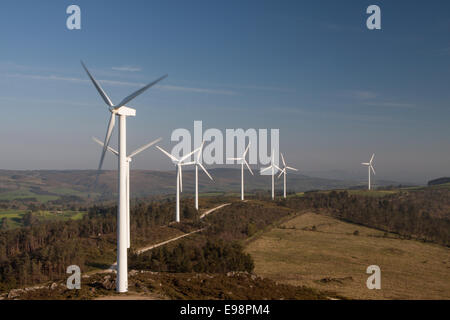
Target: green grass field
72,192
23,194
15,216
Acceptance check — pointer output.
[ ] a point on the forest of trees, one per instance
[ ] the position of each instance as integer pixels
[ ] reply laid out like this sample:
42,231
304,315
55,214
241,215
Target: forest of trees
218,249
41,251
212,257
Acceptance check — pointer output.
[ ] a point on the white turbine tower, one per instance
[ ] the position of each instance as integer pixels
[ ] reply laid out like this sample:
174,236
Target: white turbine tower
179,163
123,112
243,161
369,167
129,159
199,164
272,166
284,172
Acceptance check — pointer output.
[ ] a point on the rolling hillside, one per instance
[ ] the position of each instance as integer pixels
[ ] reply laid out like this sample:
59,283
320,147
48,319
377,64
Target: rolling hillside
325,253
46,185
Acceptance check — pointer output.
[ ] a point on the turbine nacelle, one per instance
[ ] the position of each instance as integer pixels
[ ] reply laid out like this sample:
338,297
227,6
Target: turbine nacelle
285,167
370,164
119,109
370,167
242,159
272,166
198,163
124,111
179,163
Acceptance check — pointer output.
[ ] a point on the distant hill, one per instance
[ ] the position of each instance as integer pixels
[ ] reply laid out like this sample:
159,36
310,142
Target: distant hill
51,184
439,181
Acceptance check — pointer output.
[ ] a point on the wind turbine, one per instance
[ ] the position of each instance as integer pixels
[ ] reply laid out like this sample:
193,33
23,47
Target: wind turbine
284,171
243,161
369,166
272,166
123,112
129,159
179,163
199,164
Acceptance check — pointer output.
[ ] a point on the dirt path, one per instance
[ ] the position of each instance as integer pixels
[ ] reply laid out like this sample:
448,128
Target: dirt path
144,249
214,209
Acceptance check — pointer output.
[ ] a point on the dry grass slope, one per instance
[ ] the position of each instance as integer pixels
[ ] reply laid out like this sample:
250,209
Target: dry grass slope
323,253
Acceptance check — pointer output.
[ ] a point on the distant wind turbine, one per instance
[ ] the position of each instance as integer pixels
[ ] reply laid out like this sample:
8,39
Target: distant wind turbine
243,161
129,159
199,164
123,112
369,167
272,166
284,172
179,164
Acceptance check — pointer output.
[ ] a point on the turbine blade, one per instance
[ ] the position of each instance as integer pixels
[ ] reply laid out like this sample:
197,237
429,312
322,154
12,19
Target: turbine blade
276,167
200,152
97,140
189,154
249,169
290,168
265,169
111,124
371,167
246,150
138,92
365,164
204,169
167,154
187,163
281,173
98,87
148,145
371,159
284,162
109,148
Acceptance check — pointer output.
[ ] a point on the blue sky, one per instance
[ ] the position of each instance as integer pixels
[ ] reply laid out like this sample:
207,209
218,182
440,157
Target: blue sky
336,90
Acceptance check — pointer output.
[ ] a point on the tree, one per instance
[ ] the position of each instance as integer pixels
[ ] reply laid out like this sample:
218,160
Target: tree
4,225
29,219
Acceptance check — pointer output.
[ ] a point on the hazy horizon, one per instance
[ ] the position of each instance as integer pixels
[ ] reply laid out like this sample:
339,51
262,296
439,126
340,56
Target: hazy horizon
354,176
336,91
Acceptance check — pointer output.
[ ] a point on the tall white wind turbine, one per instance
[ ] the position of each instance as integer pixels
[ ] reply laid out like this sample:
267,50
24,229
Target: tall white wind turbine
369,167
272,166
243,161
123,112
284,172
129,159
179,163
199,164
